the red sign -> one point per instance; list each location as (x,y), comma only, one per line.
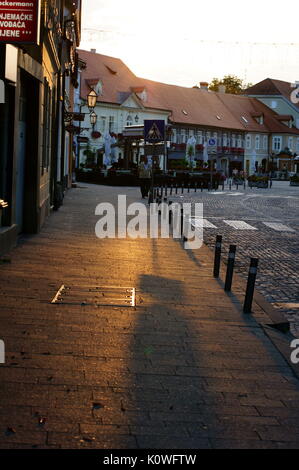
(19,21)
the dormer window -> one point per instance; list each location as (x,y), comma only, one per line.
(113,72)
(99,88)
(287,120)
(259,117)
(143,96)
(141,92)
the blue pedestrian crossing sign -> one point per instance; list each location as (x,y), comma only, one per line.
(154,131)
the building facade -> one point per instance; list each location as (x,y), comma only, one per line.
(34,154)
(233,132)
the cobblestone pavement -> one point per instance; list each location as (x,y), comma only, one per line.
(184,368)
(277,247)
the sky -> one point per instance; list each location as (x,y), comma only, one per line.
(185,42)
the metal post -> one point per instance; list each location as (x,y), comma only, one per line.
(230,268)
(182,188)
(150,196)
(218,246)
(176,188)
(195,187)
(169,212)
(189,188)
(166,189)
(250,285)
(201,186)
(182,222)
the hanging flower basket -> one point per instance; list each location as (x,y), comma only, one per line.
(96,135)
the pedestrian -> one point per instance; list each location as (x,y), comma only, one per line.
(145,174)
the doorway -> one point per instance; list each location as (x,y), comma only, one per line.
(27,155)
(21,157)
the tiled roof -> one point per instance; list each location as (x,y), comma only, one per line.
(248,107)
(189,106)
(271,87)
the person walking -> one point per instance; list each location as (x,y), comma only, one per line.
(145,173)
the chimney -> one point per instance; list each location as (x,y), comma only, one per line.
(94,51)
(204,86)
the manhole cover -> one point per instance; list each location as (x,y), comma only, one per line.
(97,296)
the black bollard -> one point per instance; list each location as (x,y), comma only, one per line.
(169,212)
(171,188)
(150,197)
(182,188)
(218,246)
(201,187)
(195,187)
(189,188)
(230,268)
(250,285)
(182,222)
(176,188)
(166,189)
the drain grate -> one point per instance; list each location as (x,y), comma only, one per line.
(96,296)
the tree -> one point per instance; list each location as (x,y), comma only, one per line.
(233,84)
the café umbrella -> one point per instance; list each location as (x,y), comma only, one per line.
(107,158)
(191,143)
(205,152)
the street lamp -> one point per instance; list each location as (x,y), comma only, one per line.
(92,99)
(93,118)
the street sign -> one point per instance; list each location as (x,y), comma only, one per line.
(158,149)
(212,142)
(19,21)
(154,131)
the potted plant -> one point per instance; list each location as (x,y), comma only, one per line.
(258,181)
(294,180)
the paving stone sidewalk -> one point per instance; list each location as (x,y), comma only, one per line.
(183,369)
